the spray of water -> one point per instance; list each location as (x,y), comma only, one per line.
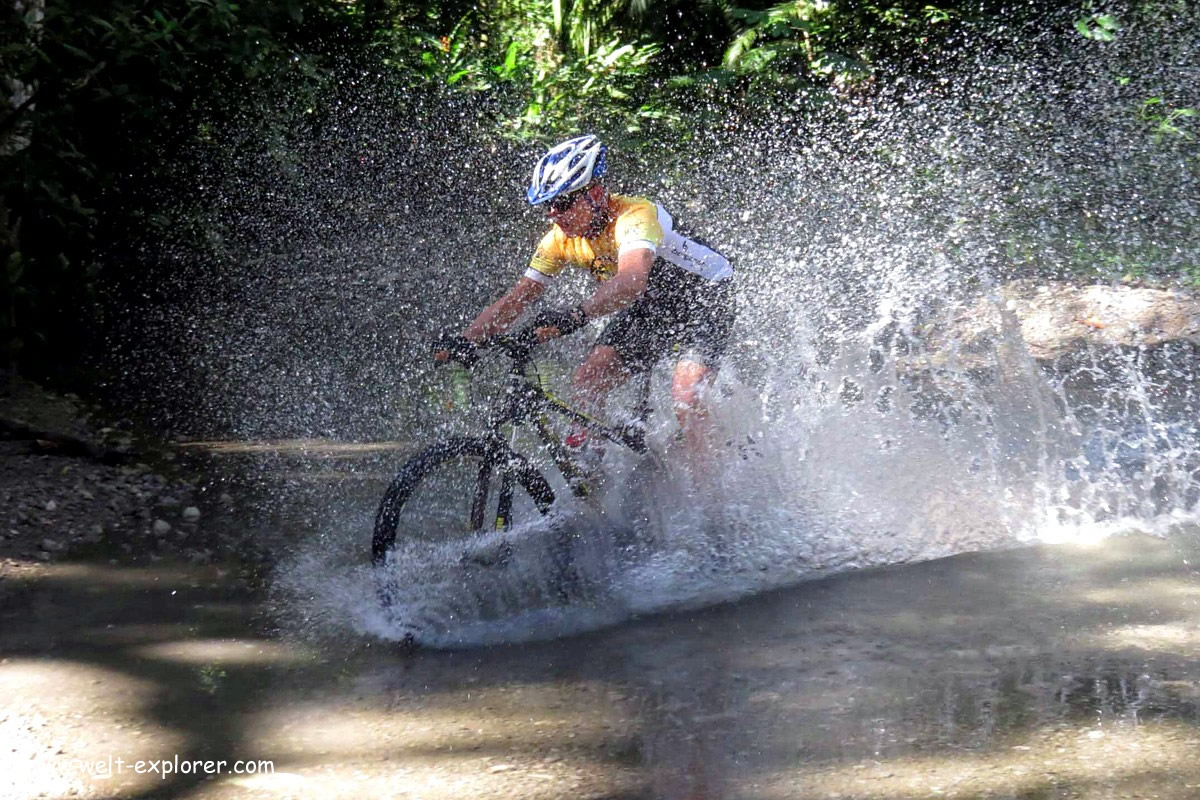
(858,423)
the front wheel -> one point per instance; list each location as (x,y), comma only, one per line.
(455,488)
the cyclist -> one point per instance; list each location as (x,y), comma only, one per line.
(662,288)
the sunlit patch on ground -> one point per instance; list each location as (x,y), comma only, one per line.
(1094,762)
(308,448)
(97,578)
(108,707)
(1182,638)
(227,652)
(511,740)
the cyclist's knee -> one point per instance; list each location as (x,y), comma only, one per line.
(601,370)
(687,385)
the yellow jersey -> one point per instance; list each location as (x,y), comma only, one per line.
(637,223)
(634,225)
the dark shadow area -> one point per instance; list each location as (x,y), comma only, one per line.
(980,665)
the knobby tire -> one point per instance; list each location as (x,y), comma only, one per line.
(492,452)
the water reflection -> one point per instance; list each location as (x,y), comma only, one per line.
(688,718)
(1003,675)
(818,692)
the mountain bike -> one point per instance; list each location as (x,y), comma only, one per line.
(484,482)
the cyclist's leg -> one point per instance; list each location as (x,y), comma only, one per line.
(600,373)
(629,344)
(703,343)
(686,387)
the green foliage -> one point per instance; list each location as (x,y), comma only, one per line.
(561,65)
(820,40)
(1190,276)
(551,93)
(1099,27)
(1166,121)
(567,95)
(107,108)
(555,67)
(105,102)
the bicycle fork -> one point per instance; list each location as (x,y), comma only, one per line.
(504,500)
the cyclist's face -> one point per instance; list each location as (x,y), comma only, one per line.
(572,213)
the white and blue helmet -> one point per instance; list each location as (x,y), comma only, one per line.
(569,166)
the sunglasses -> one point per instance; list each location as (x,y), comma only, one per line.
(560,204)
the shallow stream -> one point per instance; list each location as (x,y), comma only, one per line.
(1052,671)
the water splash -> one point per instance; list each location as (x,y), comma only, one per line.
(856,437)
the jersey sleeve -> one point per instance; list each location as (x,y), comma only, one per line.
(638,228)
(548,259)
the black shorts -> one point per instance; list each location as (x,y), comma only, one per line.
(680,311)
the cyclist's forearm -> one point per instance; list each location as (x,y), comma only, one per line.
(619,291)
(496,318)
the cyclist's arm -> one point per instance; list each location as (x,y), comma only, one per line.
(633,271)
(499,315)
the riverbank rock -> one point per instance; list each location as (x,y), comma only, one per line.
(1056,320)
(1059,319)
(1089,347)
(33,419)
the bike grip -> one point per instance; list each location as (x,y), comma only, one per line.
(461,349)
(566,321)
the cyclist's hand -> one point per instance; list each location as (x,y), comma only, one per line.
(457,348)
(558,322)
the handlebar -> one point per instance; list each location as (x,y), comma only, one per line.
(517,346)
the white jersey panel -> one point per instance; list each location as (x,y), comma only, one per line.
(689,255)
(537,277)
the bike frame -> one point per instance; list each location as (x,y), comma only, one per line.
(527,400)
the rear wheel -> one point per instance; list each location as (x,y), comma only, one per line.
(456,488)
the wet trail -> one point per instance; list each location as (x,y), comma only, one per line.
(1052,671)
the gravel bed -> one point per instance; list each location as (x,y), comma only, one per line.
(56,505)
